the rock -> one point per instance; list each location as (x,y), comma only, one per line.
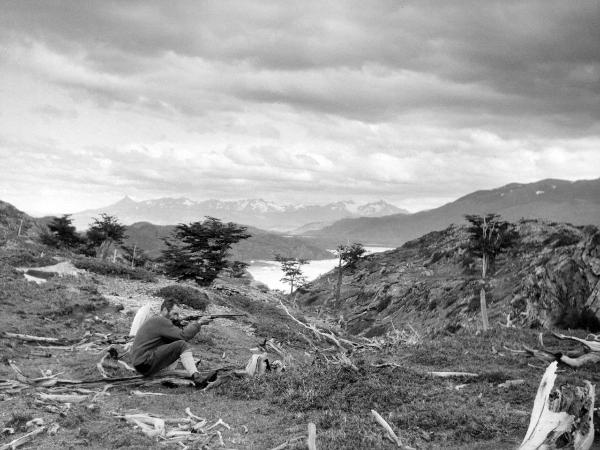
(551,278)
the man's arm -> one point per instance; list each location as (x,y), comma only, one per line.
(169,331)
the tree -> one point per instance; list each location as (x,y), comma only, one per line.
(292,270)
(62,233)
(107,228)
(349,255)
(488,237)
(198,251)
(102,233)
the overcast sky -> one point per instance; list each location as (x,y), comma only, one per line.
(415,102)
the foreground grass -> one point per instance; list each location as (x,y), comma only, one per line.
(265,411)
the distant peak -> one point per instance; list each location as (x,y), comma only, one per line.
(126,199)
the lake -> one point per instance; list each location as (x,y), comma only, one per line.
(269,272)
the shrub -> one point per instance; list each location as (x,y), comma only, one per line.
(103,267)
(184,295)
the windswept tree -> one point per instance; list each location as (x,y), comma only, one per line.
(198,251)
(292,271)
(489,236)
(106,228)
(62,233)
(348,255)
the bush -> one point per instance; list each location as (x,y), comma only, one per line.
(184,295)
(103,267)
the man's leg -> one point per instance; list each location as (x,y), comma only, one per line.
(188,362)
(165,355)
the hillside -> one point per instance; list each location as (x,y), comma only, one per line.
(262,245)
(331,387)
(15,222)
(557,200)
(551,278)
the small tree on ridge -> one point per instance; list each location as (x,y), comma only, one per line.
(348,255)
(488,237)
(292,270)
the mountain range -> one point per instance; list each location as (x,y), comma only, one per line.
(254,212)
(575,202)
(261,245)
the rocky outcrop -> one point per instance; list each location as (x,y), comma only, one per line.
(550,278)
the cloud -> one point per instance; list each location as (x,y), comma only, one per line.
(405,100)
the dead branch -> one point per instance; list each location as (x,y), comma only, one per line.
(100,368)
(390,433)
(288,442)
(30,338)
(587,358)
(22,440)
(63,398)
(329,336)
(311,441)
(511,383)
(593,346)
(145,394)
(102,392)
(547,356)
(452,374)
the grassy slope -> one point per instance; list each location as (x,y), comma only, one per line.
(427,412)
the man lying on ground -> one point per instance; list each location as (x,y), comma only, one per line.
(159,344)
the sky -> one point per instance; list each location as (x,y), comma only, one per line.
(415,102)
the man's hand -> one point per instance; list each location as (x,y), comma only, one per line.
(204,320)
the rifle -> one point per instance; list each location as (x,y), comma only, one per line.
(181,322)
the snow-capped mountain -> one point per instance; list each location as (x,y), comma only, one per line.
(255,212)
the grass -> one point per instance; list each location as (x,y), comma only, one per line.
(265,411)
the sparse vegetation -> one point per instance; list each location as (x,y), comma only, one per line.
(427,412)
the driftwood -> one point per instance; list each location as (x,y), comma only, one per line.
(22,440)
(189,429)
(390,433)
(452,374)
(566,416)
